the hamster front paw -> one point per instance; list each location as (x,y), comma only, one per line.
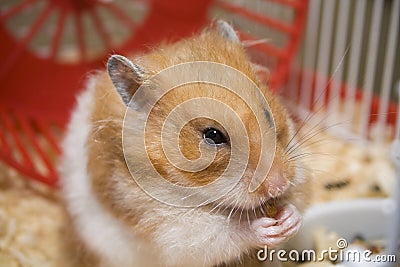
(273,231)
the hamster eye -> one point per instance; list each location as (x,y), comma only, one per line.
(213,136)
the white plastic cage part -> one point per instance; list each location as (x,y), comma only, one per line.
(351,43)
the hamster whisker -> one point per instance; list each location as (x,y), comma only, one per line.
(312,113)
(230,214)
(254,211)
(196,207)
(261,208)
(325,172)
(316,129)
(190,195)
(292,144)
(310,154)
(319,142)
(191,210)
(221,205)
(304,122)
(226,207)
(248,218)
(219,209)
(242,210)
(235,209)
(306,155)
(108,120)
(298,156)
(201,204)
(291,183)
(216,206)
(104,122)
(308,136)
(240,215)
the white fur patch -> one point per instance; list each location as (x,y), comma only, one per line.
(100,231)
(200,239)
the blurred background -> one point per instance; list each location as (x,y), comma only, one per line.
(334,63)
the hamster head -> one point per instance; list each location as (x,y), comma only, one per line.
(202,133)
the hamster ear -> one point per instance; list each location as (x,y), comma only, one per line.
(125,75)
(226,31)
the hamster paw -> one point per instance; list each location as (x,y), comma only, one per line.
(273,231)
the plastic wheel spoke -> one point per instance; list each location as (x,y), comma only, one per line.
(120,14)
(100,28)
(34,141)
(36,25)
(5,147)
(55,46)
(16,137)
(287,28)
(80,36)
(22,45)
(16,9)
(45,130)
(295,4)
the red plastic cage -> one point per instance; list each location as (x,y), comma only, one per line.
(47,49)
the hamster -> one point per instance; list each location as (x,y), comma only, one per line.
(114,222)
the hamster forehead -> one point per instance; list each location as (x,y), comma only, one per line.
(211,101)
(210,46)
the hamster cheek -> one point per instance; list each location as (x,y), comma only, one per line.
(273,231)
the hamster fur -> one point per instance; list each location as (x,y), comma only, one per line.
(112,222)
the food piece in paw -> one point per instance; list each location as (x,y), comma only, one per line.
(271,210)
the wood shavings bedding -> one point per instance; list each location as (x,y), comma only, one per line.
(30,222)
(349,170)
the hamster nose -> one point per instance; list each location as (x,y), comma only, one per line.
(277,184)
